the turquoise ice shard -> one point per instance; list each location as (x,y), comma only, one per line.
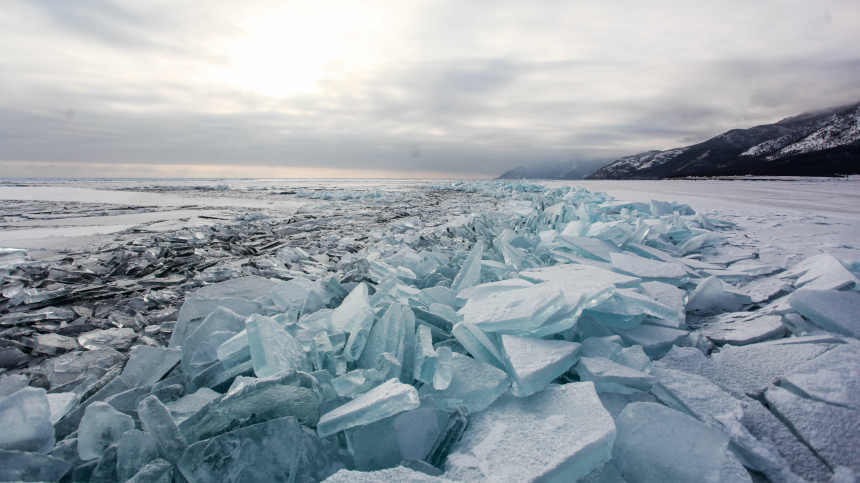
(609,376)
(649,270)
(100,427)
(147,365)
(289,393)
(485,289)
(634,357)
(322,354)
(24,466)
(189,404)
(592,248)
(156,471)
(534,363)
(62,403)
(651,307)
(220,320)
(667,294)
(387,335)
(355,308)
(481,345)
(583,278)
(25,417)
(348,384)
(385,400)
(205,301)
(296,292)
(470,272)
(425,356)
(831,309)
(606,347)
(516,311)
(559,434)
(273,349)
(160,425)
(709,295)
(444,369)
(359,332)
(742,328)
(655,341)
(474,385)
(656,444)
(276,450)
(135,449)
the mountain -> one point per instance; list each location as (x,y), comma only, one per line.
(554,170)
(819,143)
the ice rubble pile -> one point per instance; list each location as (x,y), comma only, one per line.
(560,337)
(367,196)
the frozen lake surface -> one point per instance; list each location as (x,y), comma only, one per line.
(689,330)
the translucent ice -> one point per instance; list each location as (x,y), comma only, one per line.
(23,466)
(147,365)
(387,335)
(221,319)
(450,435)
(100,427)
(474,385)
(655,341)
(272,349)
(470,272)
(425,356)
(160,425)
(444,369)
(534,363)
(742,328)
(821,272)
(481,345)
(359,332)
(135,449)
(710,296)
(381,402)
(559,434)
(657,444)
(831,309)
(157,471)
(25,419)
(516,311)
(589,247)
(61,404)
(354,309)
(115,338)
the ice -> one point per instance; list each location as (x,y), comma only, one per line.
(276,450)
(710,296)
(387,335)
(732,471)
(833,377)
(747,370)
(23,466)
(349,384)
(832,310)
(609,376)
(390,475)
(633,357)
(157,421)
(135,449)
(581,276)
(742,328)
(485,289)
(147,365)
(358,334)
(61,404)
(649,270)
(474,385)
(355,309)
(821,272)
(470,272)
(444,369)
(658,444)
(655,341)
(515,311)
(833,432)
(390,398)
(533,363)
(25,417)
(272,349)
(592,248)
(450,435)
(425,356)
(100,427)
(115,338)
(481,345)
(286,394)
(221,319)
(11,383)
(197,308)
(559,434)
(157,471)
(615,312)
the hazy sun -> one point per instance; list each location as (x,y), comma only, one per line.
(289,51)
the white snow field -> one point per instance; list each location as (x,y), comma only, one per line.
(403,330)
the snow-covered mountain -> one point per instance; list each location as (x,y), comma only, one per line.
(819,143)
(554,170)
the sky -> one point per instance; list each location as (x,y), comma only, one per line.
(413,88)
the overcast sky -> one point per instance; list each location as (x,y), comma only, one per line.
(437,88)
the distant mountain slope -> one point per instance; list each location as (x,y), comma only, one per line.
(820,143)
(554,170)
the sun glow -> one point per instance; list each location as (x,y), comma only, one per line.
(290,51)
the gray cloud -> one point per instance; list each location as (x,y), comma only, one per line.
(479,89)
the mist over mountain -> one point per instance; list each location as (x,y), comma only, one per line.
(817,143)
(554,170)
